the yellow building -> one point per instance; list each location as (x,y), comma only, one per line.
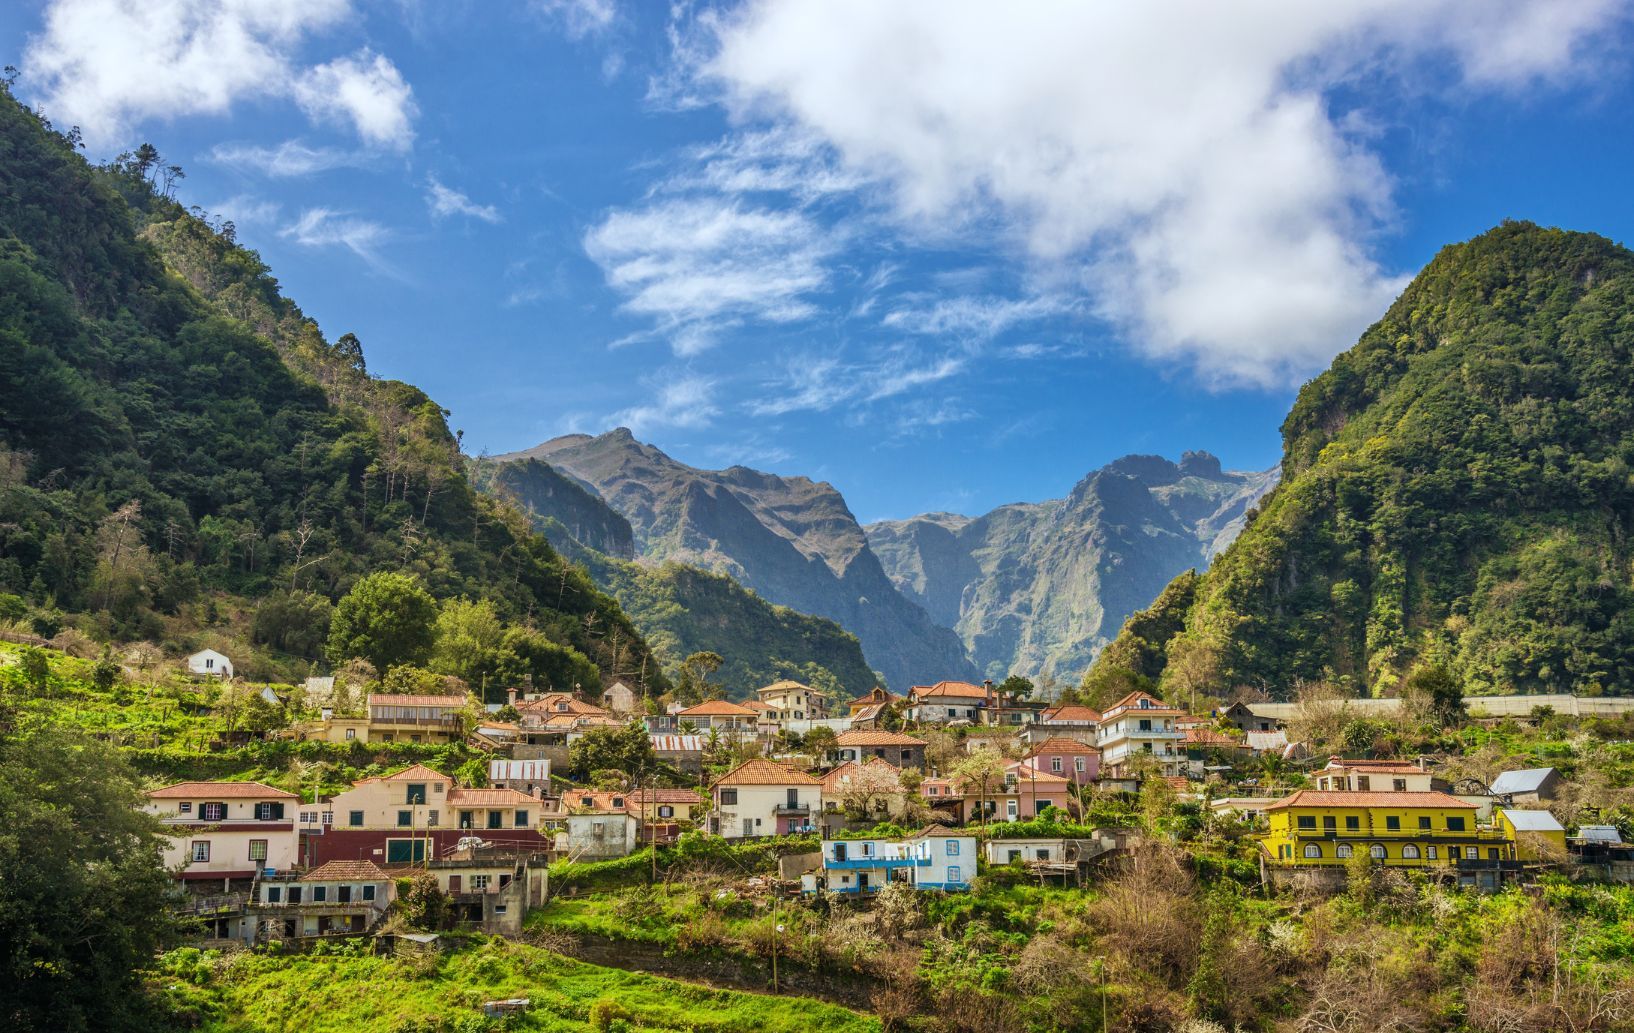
(1398,829)
(1538,835)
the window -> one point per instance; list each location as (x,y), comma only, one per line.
(496,819)
(201,850)
(1409,852)
(351,733)
(1055,764)
(1377,852)
(1353,823)
(1392,822)
(954,875)
(1424,824)
(618,803)
(1455,824)
(329,817)
(521,819)
(729,797)
(405,819)
(354,818)
(1429,852)
(1399,784)
(1343,850)
(1363,783)
(1307,821)
(1471,853)
(1145,724)
(666,811)
(212,812)
(1078,764)
(437,787)
(1330,823)
(416,793)
(368,891)
(258,850)
(1043,853)
(953,848)
(1313,850)
(309,817)
(431,818)
(275,894)
(295,894)
(269,812)
(467,819)
(320,894)
(185,807)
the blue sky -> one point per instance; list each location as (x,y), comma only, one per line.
(945,256)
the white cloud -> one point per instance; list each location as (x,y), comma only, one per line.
(694,264)
(288,159)
(579,18)
(975,316)
(324,227)
(445,201)
(685,401)
(247,210)
(107,65)
(822,383)
(366,91)
(1182,157)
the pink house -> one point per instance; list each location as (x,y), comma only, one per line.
(1077,762)
(1024,792)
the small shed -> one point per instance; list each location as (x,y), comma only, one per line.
(1528,785)
(207,663)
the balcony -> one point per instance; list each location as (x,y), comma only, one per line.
(884,861)
(786,810)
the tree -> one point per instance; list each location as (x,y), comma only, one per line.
(868,790)
(627,749)
(35,665)
(821,741)
(1434,695)
(83,905)
(1016,687)
(470,640)
(982,771)
(387,619)
(693,686)
(293,622)
(527,656)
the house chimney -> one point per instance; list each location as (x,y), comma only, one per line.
(510,695)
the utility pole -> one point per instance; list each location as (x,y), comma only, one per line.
(777,931)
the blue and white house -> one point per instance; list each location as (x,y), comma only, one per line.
(935,859)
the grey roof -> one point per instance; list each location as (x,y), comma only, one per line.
(1527,780)
(1599,833)
(1532,821)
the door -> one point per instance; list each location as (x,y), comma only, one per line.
(453,884)
(862,882)
(343,894)
(748,826)
(839,851)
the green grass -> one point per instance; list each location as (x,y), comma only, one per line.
(359,993)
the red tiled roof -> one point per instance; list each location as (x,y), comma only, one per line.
(1210,737)
(764,773)
(223,790)
(413,771)
(490,798)
(1340,798)
(550,702)
(346,871)
(666,796)
(952,688)
(864,737)
(1072,714)
(759,705)
(1027,774)
(784,686)
(716,708)
(1132,702)
(393,700)
(1060,744)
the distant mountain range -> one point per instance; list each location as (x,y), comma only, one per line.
(1041,586)
(1027,588)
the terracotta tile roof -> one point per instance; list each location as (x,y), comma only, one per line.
(390,699)
(1374,767)
(1026,773)
(490,798)
(864,737)
(411,772)
(951,688)
(666,796)
(784,686)
(1132,702)
(346,871)
(599,800)
(760,705)
(716,708)
(222,790)
(1339,798)
(764,773)
(554,701)
(1072,714)
(939,832)
(1060,744)
(1210,737)
(875,695)
(1178,783)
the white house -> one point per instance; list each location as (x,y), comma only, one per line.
(594,835)
(227,831)
(1140,724)
(207,663)
(763,798)
(948,701)
(1019,851)
(935,859)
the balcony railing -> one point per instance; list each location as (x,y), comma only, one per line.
(786,808)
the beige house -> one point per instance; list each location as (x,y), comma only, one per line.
(792,701)
(620,699)
(396,718)
(722,716)
(763,798)
(1372,776)
(226,830)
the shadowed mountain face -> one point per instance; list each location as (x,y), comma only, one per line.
(790,539)
(1040,587)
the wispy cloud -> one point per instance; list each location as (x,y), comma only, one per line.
(366,91)
(695,263)
(578,18)
(823,383)
(325,227)
(445,201)
(247,210)
(983,317)
(684,401)
(288,159)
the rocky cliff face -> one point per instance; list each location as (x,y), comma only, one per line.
(562,507)
(792,540)
(1040,587)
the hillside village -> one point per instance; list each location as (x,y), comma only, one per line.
(510,820)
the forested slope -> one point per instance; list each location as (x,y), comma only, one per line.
(175,434)
(1457,489)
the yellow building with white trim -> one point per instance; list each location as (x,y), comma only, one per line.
(1397,829)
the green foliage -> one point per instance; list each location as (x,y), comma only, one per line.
(82,900)
(387,619)
(627,749)
(1456,489)
(293,622)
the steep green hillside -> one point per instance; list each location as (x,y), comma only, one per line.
(1458,488)
(174,434)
